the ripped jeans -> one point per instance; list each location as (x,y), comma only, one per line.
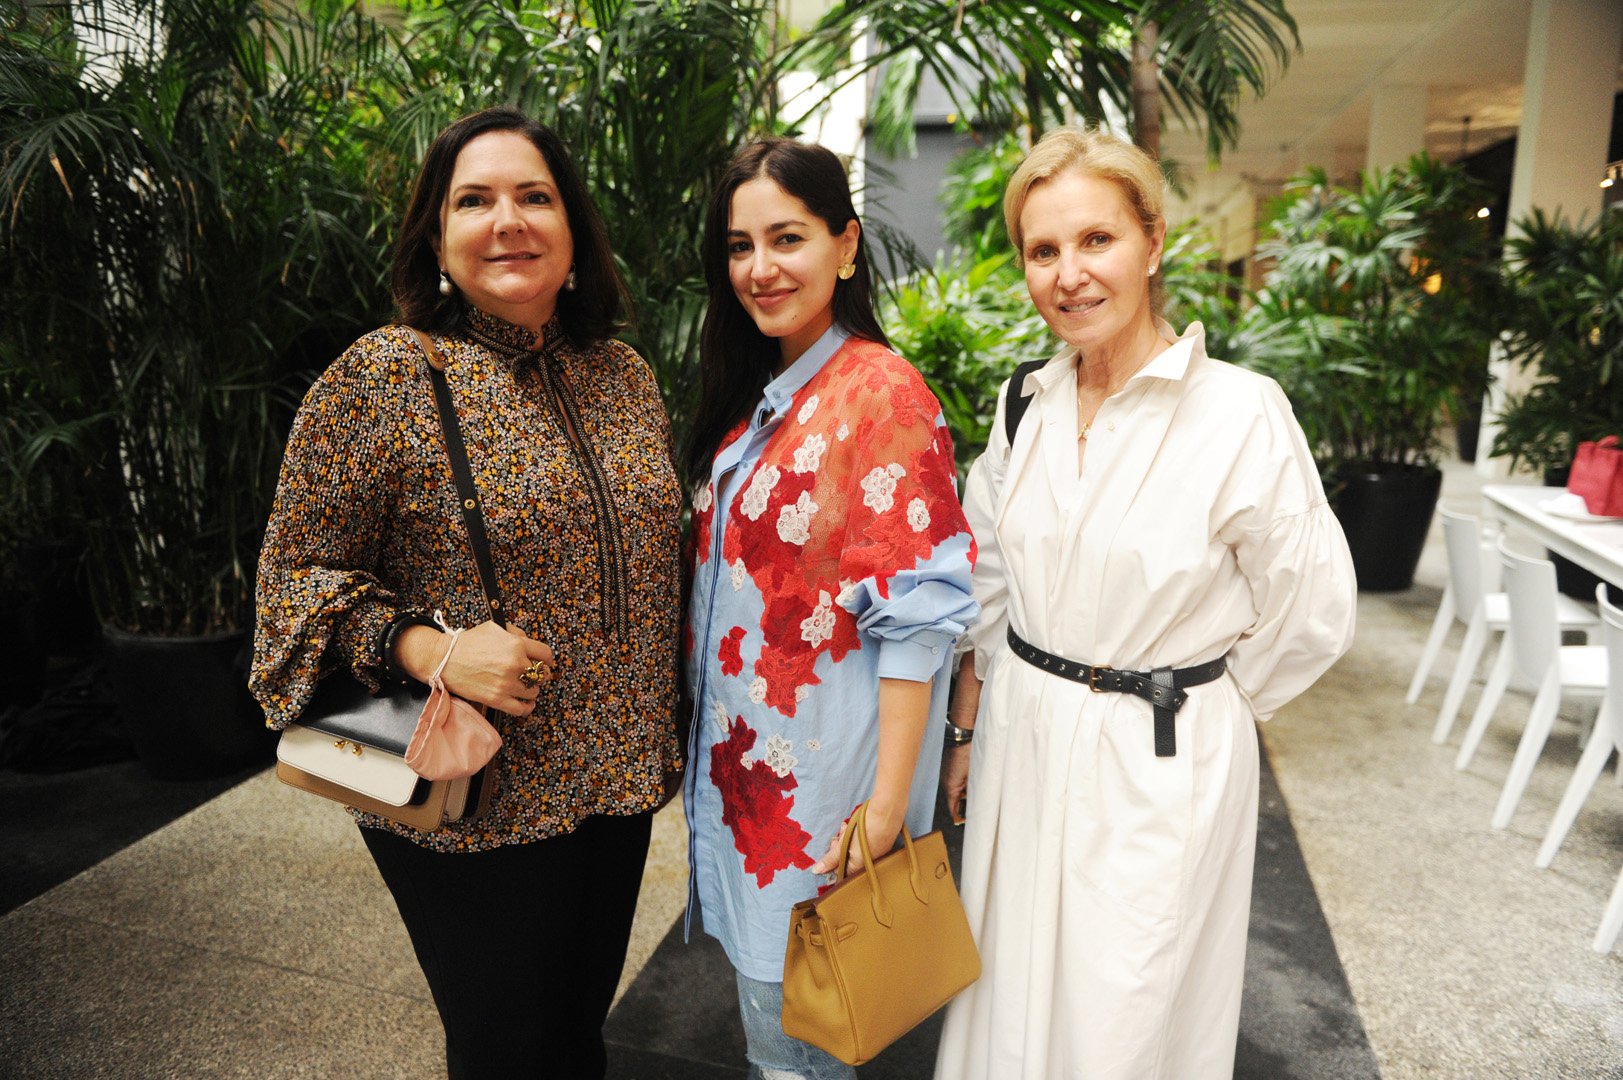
(772,1054)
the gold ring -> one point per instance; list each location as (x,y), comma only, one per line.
(536,674)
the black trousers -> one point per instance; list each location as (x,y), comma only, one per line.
(522,946)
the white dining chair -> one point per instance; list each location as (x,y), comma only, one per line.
(1612,921)
(1607,736)
(1559,671)
(1471,598)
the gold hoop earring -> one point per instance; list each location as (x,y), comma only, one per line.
(848,271)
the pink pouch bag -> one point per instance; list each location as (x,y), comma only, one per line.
(452,739)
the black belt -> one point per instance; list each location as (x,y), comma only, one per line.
(1162,687)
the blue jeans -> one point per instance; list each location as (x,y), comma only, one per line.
(772,1054)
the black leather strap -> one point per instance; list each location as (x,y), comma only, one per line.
(1017,401)
(1163,687)
(462,474)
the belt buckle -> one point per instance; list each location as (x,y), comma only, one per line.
(1097,672)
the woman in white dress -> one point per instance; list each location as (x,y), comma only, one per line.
(1156,513)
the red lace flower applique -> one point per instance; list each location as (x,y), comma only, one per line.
(755,805)
(731,661)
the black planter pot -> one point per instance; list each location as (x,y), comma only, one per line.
(1385,513)
(185,703)
(22,651)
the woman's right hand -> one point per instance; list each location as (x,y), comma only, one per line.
(485,667)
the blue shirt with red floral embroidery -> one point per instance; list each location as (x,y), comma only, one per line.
(830,552)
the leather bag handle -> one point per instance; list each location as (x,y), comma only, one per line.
(881,907)
(473,517)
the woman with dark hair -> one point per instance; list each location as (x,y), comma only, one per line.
(831,572)
(520,917)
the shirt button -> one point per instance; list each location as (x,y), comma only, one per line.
(1110,426)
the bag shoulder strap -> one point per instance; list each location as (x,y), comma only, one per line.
(467,494)
(1016,401)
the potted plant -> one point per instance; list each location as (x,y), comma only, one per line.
(1375,320)
(1565,323)
(183,210)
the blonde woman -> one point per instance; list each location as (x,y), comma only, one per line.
(1158,570)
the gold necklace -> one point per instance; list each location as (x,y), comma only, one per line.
(1082,435)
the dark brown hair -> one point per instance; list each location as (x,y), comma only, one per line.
(736,360)
(595,309)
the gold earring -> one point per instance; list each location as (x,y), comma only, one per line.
(848,271)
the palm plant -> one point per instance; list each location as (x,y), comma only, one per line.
(1384,290)
(180,215)
(1013,61)
(1566,323)
(966,325)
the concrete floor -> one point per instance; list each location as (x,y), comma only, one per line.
(252,938)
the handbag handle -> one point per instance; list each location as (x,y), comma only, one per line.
(859,827)
(462,475)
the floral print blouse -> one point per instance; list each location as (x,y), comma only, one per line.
(830,552)
(584,525)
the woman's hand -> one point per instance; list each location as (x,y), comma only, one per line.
(955,780)
(966,700)
(884,826)
(485,667)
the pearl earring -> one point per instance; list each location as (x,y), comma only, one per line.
(446,288)
(569,282)
(1154,268)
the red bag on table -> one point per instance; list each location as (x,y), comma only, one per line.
(1597,475)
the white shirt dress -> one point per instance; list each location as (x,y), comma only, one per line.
(1109,890)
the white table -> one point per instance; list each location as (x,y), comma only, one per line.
(1595,546)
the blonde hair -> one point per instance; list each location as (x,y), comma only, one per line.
(1093,151)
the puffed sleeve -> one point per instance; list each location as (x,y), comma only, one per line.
(981,493)
(319,603)
(1290,548)
(908,554)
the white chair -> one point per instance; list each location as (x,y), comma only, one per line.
(1534,639)
(1608,736)
(1569,615)
(1470,599)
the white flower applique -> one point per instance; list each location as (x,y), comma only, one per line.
(703,498)
(880,487)
(843,433)
(758,690)
(818,627)
(761,484)
(918,515)
(806,410)
(740,574)
(810,454)
(802,693)
(794,522)
(848,593)
(778,757)
(814,745)
(722,718)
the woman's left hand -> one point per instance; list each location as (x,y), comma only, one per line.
(884,826)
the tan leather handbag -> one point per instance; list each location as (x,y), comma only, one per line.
(875,955)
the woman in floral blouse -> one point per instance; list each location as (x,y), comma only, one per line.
(520,918)
(831,575)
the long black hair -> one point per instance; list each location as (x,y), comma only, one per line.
(595,309)
(736,360)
